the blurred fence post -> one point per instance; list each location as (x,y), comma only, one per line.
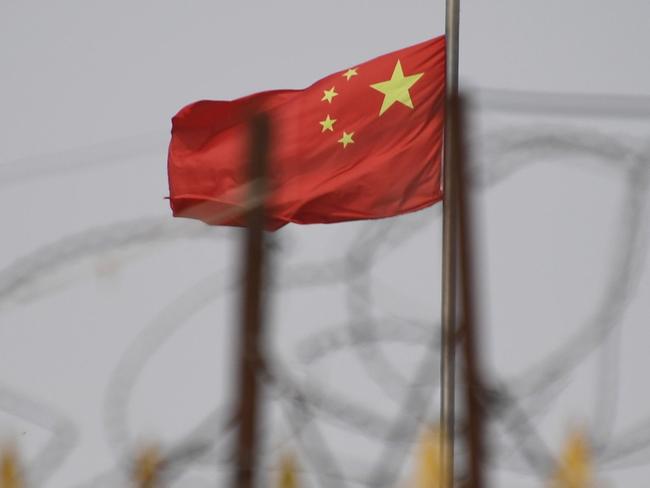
(474,390)
(251,324)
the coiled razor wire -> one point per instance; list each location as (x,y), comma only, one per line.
(515,403)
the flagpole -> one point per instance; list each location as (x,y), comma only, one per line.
(449,251)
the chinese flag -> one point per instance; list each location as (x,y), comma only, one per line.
(362,143)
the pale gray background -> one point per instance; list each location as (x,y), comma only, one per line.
(88,90)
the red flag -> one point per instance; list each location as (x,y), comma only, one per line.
(362,143)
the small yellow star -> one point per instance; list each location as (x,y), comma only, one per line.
(328,124)
(350,73)
(346,139)
(329,95)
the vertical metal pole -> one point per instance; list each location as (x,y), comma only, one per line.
(474,392)
(449,250)
(253,266)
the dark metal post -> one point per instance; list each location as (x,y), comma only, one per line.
(474,392)
(253,267)
(449,250)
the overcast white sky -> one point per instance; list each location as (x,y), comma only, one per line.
(88,90)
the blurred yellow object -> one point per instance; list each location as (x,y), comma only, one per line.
(429,469)
(288,477)
(575,468)
(9,470)
(147,468)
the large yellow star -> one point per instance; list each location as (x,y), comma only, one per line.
(329,95)
(346,139)
(397,88)
(328,124)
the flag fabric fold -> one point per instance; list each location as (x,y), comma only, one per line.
(362,143)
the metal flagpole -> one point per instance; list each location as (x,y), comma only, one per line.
(449,252)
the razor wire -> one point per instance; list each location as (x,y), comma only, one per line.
(515,403)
